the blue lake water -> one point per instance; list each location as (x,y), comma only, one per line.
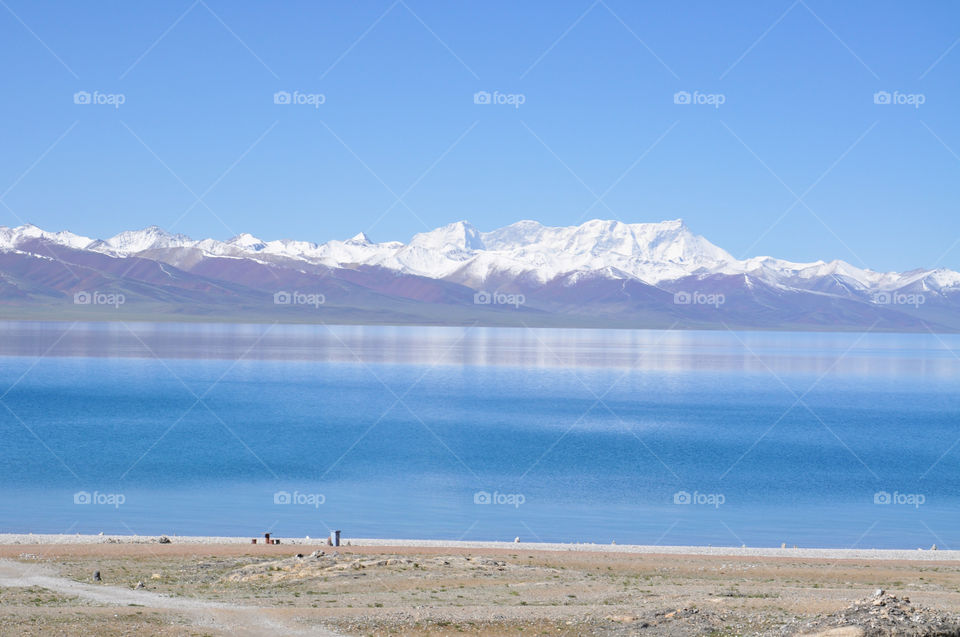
(645,437)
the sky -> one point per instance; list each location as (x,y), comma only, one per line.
(800,129)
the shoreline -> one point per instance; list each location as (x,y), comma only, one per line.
(923,555)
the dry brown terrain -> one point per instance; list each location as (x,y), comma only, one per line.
(268,590)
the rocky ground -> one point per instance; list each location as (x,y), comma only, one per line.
(883,614)
(178,589)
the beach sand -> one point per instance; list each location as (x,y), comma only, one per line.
(223,586)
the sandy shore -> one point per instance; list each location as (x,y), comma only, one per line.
(464,546)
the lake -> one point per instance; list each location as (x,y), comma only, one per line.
(633,436)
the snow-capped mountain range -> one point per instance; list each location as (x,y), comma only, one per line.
(620,266)
(649,252)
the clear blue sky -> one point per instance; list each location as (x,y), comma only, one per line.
(598,82)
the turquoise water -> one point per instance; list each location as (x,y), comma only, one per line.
(400,432)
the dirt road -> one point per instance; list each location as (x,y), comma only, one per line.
(246,621)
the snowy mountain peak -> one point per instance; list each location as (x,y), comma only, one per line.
(651,252)
(360,238)
(247,241)
(519,233)
(133,241)
(9,237)
(459,236)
